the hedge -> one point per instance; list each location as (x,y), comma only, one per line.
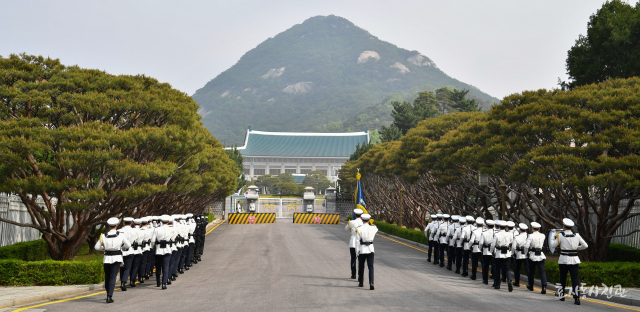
(211,217)
(50,272)
(27,251)
(591,273)
(623,253)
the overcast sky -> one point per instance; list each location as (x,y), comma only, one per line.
(501,47)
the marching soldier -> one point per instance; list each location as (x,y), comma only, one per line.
(433,238)
(476,248)
(442,237)
(428,233)
(192,242)
(501,247)
(457,237)
(174,248)
(451,251)
(162,242)
(112,244)
(136,247)
(352,225)
(146,234)
(365,235)
(519,242)
(486,238)
(533,248)
(127,253)
(511,229)
(465,235)
(569,243)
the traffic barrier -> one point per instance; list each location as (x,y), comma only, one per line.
(252,218)
(316,218)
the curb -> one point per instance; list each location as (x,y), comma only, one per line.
(537,282)
(52,295)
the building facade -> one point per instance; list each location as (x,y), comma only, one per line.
(298,153)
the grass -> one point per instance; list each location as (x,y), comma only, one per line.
(83,254)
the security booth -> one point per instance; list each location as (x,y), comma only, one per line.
(309,200)
(252,199)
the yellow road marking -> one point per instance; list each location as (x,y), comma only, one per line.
(89,295)
(552,294)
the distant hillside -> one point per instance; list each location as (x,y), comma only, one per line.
(314,76)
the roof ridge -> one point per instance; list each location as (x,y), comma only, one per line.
(308,133)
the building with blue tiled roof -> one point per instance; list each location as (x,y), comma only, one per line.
(298,152)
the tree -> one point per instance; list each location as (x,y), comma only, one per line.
(317,180)
(461,104)
(391,133)
(611,48)
(236,156)
(94,146)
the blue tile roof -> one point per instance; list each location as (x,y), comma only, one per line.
(296,144)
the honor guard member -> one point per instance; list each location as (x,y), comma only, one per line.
(457,236)
(501,247)
(451,250)
(569,243)
(476,248)
(519,242)
(365,235)
(428,231)
(252,206)
(353,240)
(146,234)
(127,254)
(136,250)
(112,244)
(162,242)
(465,236)
(434,238)
(174,248)
(443,241)
(185,243)
(486,238)
(191,226)
(533,248)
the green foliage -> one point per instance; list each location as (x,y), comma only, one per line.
(410,234)
(26,251)
(323,51)
(317,180)
(282,184)
(622,253)
(211,217)
(236,156)
(49,272)
(611,47)
(360,150)
(390,134)
(597,273)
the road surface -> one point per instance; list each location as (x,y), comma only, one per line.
(304,267)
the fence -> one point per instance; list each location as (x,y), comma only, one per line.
(11,208)
(628,226)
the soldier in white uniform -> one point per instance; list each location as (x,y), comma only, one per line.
(533,248)
(457,236)
(474,244)
(137,250)
(501,247)
(451,251)
(309,208)
(145,233)
(569,243)
(252,207)
(127,254)
(173,264)
(162,242)
(353,240)
(518,246)
(112,244)
(441,236)
(429,232)
(465,236)
(365,235)
(486,238)
(192,242)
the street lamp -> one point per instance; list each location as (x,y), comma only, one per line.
(503,189)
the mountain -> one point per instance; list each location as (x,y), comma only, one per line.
(313,77)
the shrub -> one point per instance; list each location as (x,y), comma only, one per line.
(412,235)
(598,273)
(27,251)
(211,217)
(623,253)
(50,272)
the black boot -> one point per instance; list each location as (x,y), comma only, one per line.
(123,286)
(576,301)
(186,267)
(132,284)
(510,286)
(168,282)
(473,278)
(530,288)
(544,289)
(504,279)
(428,260)
(109,299)
(371,287)
(353,277)
(516,284)
(141,280)
(158,284)
(164,286)
(485,282)
(360,284)
(465,274)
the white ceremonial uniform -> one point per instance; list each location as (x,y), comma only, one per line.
(534,245)
(192,229)
(451,233)
(174,233)
(428,233)
(457,236)
(486,238)
(351,227)
(139,240)
(567,243)
(161,237)
(518,245)
(131,236)
(365,234)
(476,235)
(465,237)
(441,234)
(501,245)
(116,243)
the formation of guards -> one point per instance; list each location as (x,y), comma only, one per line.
(361,246)
(166,246)
(500,245)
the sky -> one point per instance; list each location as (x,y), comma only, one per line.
(501,47)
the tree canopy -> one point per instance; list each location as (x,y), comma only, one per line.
(94,146)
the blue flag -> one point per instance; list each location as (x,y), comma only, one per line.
(360,203)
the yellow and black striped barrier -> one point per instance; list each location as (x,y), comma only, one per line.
(316,218)
(252,218)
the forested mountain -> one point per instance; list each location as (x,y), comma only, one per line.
(320,75)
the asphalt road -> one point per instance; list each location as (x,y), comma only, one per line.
(302,267)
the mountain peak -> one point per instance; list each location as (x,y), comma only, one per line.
(321,71)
